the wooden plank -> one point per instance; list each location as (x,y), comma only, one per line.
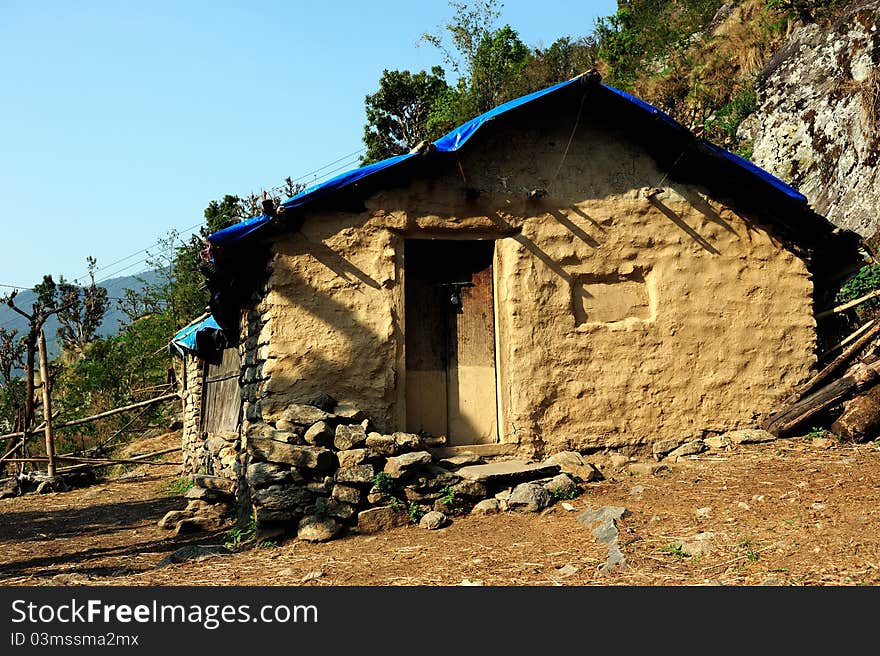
(471,372)
(222,397)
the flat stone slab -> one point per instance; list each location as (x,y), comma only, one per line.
(508,471)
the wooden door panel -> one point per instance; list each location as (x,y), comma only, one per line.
(450,348)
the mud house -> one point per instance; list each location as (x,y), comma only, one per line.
(573,270)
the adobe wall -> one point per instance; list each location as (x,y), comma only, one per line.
(622,320)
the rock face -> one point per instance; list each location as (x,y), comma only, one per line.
(819,124)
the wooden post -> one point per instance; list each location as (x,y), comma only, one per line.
(47,404)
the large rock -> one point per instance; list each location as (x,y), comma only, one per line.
(353,457)
(347,494)
(357,475)
(433,520)
(487,507)
(349,436)
(687,449)
(572,462)
(214,483)
(320,434)
(408,441)
(197,525)
(281,497)
(508,471)
(309,457)
(381,518)
(304,415)
(349,414)
(266,473)
(383,444)
(529,497)
(208,495)
(469,489)
(749,436)
(815,129)
(398,466)
(318,529)
(562,486)
(860,420)
(170,519)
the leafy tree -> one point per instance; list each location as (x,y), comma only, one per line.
(397,114)
(81,310)
(11,352)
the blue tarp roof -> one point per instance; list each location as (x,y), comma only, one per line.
(455,139)
(185,340)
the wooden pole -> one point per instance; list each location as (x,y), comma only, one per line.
(85,420)
(138,460)
(848,306)
(47,404)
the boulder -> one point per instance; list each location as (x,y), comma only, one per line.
(310,457)
(433,520)
(266,473)
(687,449)
(169,521)
(507,471)
(562,486)
(383,444)
(347,494)
(380,518)
(343,511)
(349,414)
(281,497)
(349,436)
(318,529)
(196,525)
(304,415)
(469,489)
(573,463)
(214,483)
(408,441)
(357,475)
(353,457)
(209,495)
(487,507)
(398,466)
(529,497)
(661,447)
(319,434)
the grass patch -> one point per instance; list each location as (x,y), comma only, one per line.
(175,487)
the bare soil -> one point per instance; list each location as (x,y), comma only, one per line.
(791,512)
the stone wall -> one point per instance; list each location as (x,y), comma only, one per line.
(195,454)
(622,320)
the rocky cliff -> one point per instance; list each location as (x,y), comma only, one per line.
(818,116)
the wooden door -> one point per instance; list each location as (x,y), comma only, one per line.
(221,402)
(450,340)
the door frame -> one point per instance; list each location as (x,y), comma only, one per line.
(500,432)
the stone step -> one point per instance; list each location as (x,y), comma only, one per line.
(508,471)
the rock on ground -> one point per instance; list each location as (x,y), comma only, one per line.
(317,529)
(529,497)
(433,520)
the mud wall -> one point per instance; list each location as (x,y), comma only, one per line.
(622,319)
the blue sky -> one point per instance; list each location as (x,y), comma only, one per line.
(122,120)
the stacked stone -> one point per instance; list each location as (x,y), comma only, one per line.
(195,455)
(222,451)
(210,504)
(319,470)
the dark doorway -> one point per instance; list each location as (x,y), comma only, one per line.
(450,340)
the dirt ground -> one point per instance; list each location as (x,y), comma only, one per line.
(791,512)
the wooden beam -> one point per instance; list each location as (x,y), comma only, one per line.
(109,413)
(47,403)
(849,305)
(137,460)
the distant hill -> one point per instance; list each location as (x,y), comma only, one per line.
(110,326)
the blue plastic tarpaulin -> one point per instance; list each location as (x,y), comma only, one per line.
(185,340)
(455,139)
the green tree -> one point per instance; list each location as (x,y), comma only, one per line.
(398,113)
(82,311)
